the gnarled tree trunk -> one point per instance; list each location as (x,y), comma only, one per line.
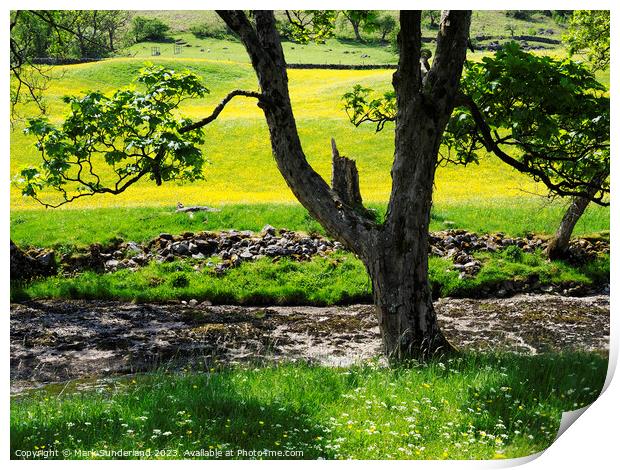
(395,253)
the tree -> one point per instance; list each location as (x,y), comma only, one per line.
(112,23)
(433,17)
(553,113)
(361,19)
(304,26)
(544,117)
(386,24)
(148,29)
(394,252)
(588,31)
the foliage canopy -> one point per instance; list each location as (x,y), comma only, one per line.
(134,132)
(554,113)
(588,31)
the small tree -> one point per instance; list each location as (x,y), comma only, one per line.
(361,19)
(149,29)
(511,28)
(386,24)
(114,23)
(546,118)
(433,18)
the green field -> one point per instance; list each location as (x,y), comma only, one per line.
(241,167)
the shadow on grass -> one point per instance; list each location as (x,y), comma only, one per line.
(198,413)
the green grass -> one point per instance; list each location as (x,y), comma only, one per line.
(334,51)
(339,278)
(81,227)
(477,406)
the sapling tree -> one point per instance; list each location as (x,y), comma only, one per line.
(361,20)
(544,117)
(108,143)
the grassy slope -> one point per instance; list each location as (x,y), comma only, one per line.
(473,407)
(487,22)
(241,167)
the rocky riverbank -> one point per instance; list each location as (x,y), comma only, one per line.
(54,341)
(228,249)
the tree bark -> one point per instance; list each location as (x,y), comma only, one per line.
(395,253)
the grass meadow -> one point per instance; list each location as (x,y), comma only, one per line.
(241,171)
(336,279)
(476,406)
(241,168)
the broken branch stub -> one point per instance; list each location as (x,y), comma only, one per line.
(345,180)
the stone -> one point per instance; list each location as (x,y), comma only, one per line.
(133,247)
(181,248)
(112,264)
(46,259)
(268,230)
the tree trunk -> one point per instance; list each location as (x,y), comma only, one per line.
(402,295)
(395,253)
(558,245)
(356,30)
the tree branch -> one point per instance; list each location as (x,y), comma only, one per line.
(491,145)
(220,107)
